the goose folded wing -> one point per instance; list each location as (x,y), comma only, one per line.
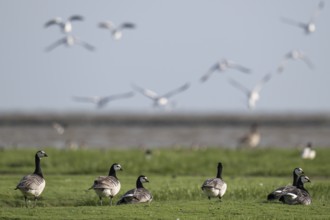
(32,181)
(141,195)
(105,182)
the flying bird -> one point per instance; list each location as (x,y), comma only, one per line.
(253,95)
(222,66)
(102,101)
(160,100)
(116,31)
(295,55)
(310,26)
(69,41)
(65,25)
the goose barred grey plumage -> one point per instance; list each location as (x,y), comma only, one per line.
(215,187)
(108,186)
(33,185)
(277,193)
(297,195)
(137,195)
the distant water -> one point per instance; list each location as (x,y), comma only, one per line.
(161,131)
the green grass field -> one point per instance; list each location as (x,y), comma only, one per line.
(175,178)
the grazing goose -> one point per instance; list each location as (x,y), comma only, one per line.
(33,184)
(101,101)
(297,195)
(69,41)
(116,32)
(251,139)
(277,193)
(308,152)
(65,25)
(253,95)
(215,187)
(107,186)
(294,55)
(137,195)
(160,100)
(308,27)
(222,66)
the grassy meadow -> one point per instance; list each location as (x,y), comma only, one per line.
(175,178)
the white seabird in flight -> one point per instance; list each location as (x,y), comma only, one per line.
(116,31)
(69,41)
(295,55)
(160,100)
(102,101)
(310,26)
(65,25)
(253,95)
(222,66)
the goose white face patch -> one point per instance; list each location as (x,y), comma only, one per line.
(298,171)
(117,167)
(305,179)
(41,154)
(144,179)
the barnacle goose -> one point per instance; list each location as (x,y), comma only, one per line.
(32,185)
(297,195)
(137,195)
(277,193)
(215,187)
(107,186)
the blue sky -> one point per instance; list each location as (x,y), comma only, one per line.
(175,42)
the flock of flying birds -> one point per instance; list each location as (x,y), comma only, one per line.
(163,101)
